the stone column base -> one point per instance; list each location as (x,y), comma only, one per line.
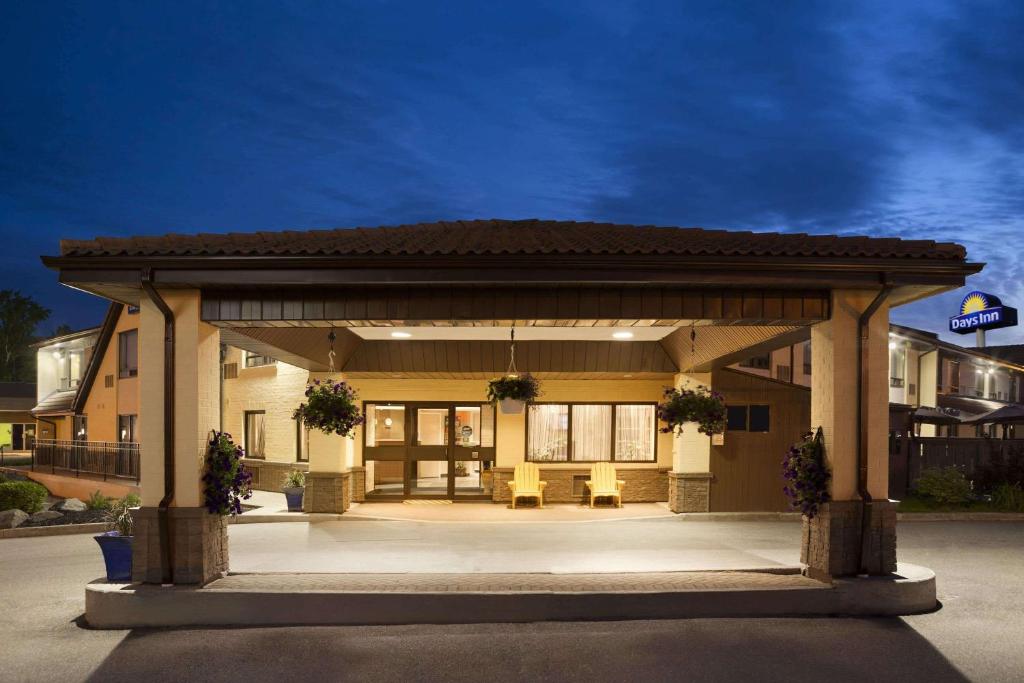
(689,491)
(358,482)
(327,492)
(831,541)
(199,546)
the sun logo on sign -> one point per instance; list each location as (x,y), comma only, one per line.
(975,301)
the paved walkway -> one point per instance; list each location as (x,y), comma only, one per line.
(643,582)
(668,544)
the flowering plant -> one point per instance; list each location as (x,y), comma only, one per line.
(700,405)
(807,475)
(226,483)
(515,387)
(332,408)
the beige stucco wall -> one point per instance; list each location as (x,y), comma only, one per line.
(834,391)
(104,404)
(276,389)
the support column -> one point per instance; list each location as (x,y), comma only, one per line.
(832,541)
(198,539)
(689,482)
(328,482)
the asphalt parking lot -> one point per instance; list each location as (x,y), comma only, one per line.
(974,636)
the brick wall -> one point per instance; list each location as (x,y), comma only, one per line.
(832,539)
(327,492)
(642,485)
(199,541)
(689,492)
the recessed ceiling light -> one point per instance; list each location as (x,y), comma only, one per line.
(627,376)
(622,335)
(400,335)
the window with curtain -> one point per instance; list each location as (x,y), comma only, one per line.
(548,435)
(255,433)
(591,433)
(634,433)
(595,432)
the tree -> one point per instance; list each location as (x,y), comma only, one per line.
(19,317)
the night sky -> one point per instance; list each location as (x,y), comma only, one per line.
(858,118)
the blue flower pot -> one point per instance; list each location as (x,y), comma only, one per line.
(294,498)
(117,554)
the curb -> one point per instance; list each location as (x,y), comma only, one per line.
(960,517)
(55,530)
(110,606)
(279,518)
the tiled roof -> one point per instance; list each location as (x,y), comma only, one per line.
(516,237)
(17,395)
(57,402)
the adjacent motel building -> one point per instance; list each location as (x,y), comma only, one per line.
(231,328)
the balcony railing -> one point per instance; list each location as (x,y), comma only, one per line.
(108,459)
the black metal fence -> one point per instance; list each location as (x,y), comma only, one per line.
(909,456)
(108,459)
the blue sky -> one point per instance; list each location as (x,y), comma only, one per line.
(875,118)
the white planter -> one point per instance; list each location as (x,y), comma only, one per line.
(511,406)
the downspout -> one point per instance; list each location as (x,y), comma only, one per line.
(163,523)
(862,456)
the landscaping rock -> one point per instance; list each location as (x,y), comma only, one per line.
(44,515)
(10,519)
(70,505)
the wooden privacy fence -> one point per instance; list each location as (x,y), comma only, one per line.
(107,459)
(909,456)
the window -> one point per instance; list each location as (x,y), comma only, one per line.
(80,427)
(634,433)
(736,418)
(753,418)
(385,425)
(783,373)
(758,362)
(547,434)
(301,442)
(255,433)
(807,358)
(70,366)
(126,428)
(759,419)
(954,377)
(254,360)
(897,365)
(128,354)
(592,432)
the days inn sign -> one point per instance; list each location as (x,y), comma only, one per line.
(981,311)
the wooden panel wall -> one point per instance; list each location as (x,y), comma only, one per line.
(526,305)
(748,468)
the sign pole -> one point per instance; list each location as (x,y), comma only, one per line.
(979,338)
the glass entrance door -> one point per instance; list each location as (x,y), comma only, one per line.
(429,450)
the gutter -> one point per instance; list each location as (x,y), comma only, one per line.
(163,523)
(862,456)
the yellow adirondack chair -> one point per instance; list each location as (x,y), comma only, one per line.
(526,483)
(603,482)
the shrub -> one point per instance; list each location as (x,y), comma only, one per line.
(1000,469)
(132,500)
(332,408)
(26,496)
(120,517)
(97,501)
(514,387)
(1009,498)
(295,479)
(700,405)
(226,483)
(807,475)
(944,485)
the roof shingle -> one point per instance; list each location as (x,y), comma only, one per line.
(514,237)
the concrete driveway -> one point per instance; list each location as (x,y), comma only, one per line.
(975,636)
(640,545)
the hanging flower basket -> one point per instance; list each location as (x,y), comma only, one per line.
(807,475)
(332,408)
(226,483)
(701,405)
(513,392)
